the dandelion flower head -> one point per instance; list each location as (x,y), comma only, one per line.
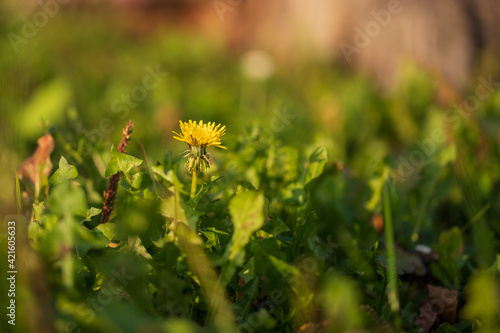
(199,136)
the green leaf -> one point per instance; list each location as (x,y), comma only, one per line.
(139,184)
(213,236)
(316,163)
(482,304)
(67,199)
(245,186)
(447,328)
(247,215)
(285,280)
(159,170)
(248,271)
(89,239)
(450,244)
(89,213)
(119,162)
(305,231)
(446,270)
(250,292)
(275,226)
(64,173)
(48,103)
(109,230)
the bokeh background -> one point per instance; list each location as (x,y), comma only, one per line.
(370,81)
(363,78)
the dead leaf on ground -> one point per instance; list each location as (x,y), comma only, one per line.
(440,306)
(38,166)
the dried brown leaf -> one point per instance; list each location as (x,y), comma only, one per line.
(38,166)
(427,317)
(440,306)
(444,302)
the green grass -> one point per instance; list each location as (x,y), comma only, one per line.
(279,234)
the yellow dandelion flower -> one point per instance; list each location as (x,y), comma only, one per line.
(200,135)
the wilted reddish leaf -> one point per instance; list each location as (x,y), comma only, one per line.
(440,306)
(38,166)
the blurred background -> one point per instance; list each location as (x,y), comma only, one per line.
(409,84)
(361,77)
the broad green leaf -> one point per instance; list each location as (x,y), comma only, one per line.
(135,245)
(245,186)
(247,273)
(159,171)
(446,270)
(48,104)
(64,173)
(305,231)
(140,180)
(89,239)
(249,292)
(109,230)
(283,281)
(139,184)
(89,213)
(264,243)
(275,226)
(66,199)
(316,163)
(483,293)
(119,162)
(247,214)
(451,243)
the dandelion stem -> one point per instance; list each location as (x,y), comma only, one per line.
(193,183)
